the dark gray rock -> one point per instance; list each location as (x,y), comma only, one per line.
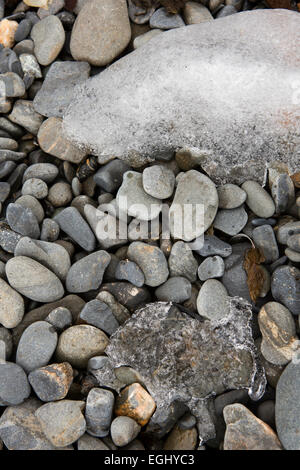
(11,155)
(9,62)
(99,411)
(23,114)
(175,289)
(58,87)
(174,372)
(22,220)
(32,203)
(87,273)
(14,386)
(12,84)
(264,238)
(36,346)
(214,246)
(285,287)
(231,221)
(49,231)
(293,242)
(8,238)
(287,411)
(4,191)
(182,261)
(163,20)
(110,176)
(235,277)
(6,342)
(283,193)
(127,295)
(129,271)
(23,30)
(60,318)
(72,223)
(6,168)
(287,230)
(99,314)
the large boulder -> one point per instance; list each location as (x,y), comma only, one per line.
(228,88)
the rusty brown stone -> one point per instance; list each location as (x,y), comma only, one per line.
(7,32)
(52,383)
(245,431)
(134,401)
(296,176)
(287,4)
(181,439)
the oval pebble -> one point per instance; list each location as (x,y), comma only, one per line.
(258,199)
(213,300)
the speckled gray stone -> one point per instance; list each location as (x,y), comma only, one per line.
(73,224)
(158,181)
(22,220)
(211,267)
(32,203)
(99,411)
(231,196)
(213,245)
(231,221)
(182,261)
(152,262)
(283,193)
(36,346)
(123,430)
(48,36)
(264,238)
(44,171)
(293,242)
(14,386)
(287,230)
(213,300)
(235,277)
(285,287)
(87,273)
(175,289)
(35,187)
(49,231)
(129,271)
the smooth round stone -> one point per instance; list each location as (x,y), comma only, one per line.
(129,271)
(33,280)
(23,30)
(24,47)
(213,300)
(48,36)
(287,230)
(293,242)
(139,204)
(50,230)
(22,220)
(60,318)
(231,196)
(194,192)
(231,221)
(4,191)
(163,20)
(87,273)
(6,168)
(60,194)
(258,200)
(51,383)
(6,342)
(235,277)
(211,267)
(195,13)
(14,386)
(158,181)
(99,314)
(123,430)
(73,224)
(152,262)
(11,306)
(287,411)
(278,329)
(175,289)
(292,255)
(283,193)
(36,346)
(35,187)
(110,176)
(46,172)
(34,205)
(12,84)
(99,411)
(285,287)
(50,255)
(182,262)
(264,238)
(62,422)
(142,39)
(101,32)
(80,343)
(212,245)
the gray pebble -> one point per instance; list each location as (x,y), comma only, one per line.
(4,191)
(163,20)
(87,273)
(213,300)
(14,386)
(6,168)
(231,196)
(212,245)
(264,238)
(175,289)
(283,192)
(182,261)
(34,205)
(36,346)
(8,238)
(129,271)
(188,421)
(6,342)
(235,277)
(227,10)
(33,280)
(9,144)
(99,411)
(22,220)
(46,172)
(87,442)
(287,230)
(24,114)
(10,155)
(11,306)
(285,287)
(293,242)
(152,262)
(231,221)
(258,200)
(158,181)
(211,267)
(23,30)
(24,47)
(13,85)
(60,318)
(123,430)
(60,194)
(99,314)
(50,230)
(72,223)
(35,187)
(48,36)
(292,255)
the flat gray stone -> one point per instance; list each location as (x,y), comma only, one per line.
(287,230)
(99,314)
(58,87)
(213,300)
(123,430)
(182,261)
(22,220)
(213,245)
(152,262)
(36,346)
(158,181)
(48,36)
(33,204)
(73,224)
(87,273)
(211,267)
(110,176)
(163,20)
(235,277)
(231,196)
(99,411)
(12,84)
(11,306)
(44,171)
(258,199)
(14,386)
(87,442)
(35,187)
(60,318)
(283,193)
(236,139)
(33,280)
(176,289)
(129,271)
(264,238)
(231,221)
(24,114)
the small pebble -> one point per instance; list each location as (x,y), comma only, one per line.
(158,181)
(258,199)
(123,430)
(60,318)
(51,383)
(264,239)
(22,220)
(99,411)
(99,314)
(129,271)
(175,289)
(211,267)
(213,300)
(14,386)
